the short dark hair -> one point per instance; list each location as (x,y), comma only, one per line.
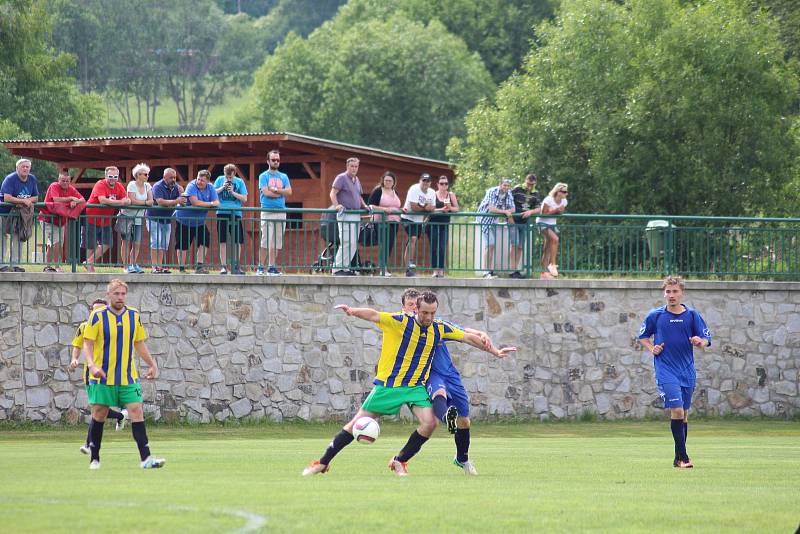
(428,297)
(409,293)
(104,302)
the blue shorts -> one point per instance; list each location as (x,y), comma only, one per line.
(518,231)
(675,395)
(454,389)
(159,233)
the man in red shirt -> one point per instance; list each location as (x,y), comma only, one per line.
(53,224)
(98,231)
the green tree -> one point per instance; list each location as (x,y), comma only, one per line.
(298,16)
(396,84)
(648,107)
(37,95)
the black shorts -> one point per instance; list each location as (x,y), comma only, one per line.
(413,229)
(186,234)
(229,224)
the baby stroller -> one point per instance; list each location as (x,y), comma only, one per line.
(329,232)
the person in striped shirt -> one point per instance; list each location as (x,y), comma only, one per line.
(109,339)
(409,342)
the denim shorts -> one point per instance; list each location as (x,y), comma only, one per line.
(517,233)
(159,234)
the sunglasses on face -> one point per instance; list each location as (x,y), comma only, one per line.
(444,183)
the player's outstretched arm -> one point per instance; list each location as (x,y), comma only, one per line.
(478,343)
(487,342)
(144,353)
(367,314)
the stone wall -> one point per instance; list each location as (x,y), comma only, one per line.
(274,348)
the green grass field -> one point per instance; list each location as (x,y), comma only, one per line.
(558,477)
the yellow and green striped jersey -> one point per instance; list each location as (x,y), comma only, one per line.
(114,337)
(408,349)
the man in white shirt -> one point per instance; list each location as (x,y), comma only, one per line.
(420,201)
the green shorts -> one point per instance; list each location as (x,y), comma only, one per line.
(388,401)
(104,395)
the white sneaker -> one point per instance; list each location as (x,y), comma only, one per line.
(467,466)
(153,463)
(85,449)
(95,464)
(121,422)
(553,269)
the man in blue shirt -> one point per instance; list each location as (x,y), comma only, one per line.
(167,194)
(676,329)
(19,190)
(192,222)
(274,187)
(232,193)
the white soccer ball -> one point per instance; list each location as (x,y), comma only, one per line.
(366,430)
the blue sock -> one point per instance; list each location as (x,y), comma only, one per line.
(440,407)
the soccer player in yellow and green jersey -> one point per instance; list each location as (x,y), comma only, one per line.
(408,346)
(77,346)
(109,340)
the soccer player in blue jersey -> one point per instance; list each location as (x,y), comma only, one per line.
(407,349)
(109,340)
(446,390)
(675,330)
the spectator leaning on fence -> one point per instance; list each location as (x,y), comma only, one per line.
(61,196)
(97,234)
(275,187)
(554,203)
(21,191)
(346,195)
(130,225)
(232,193)
(167,194)
(526,204)
(498,200)
(192,222)
(384,199)
(438,226)
(420,201)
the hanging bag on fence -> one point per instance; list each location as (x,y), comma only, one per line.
(123,226)
(368,235)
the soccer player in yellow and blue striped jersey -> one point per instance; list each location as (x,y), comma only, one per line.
(408,346)
(109,340)
(77,347)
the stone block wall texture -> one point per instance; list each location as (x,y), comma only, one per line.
(232,348)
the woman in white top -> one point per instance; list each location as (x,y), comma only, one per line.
(141,194)
(554,203)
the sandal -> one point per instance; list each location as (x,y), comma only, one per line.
(49,269)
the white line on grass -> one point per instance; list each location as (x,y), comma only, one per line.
(253,521)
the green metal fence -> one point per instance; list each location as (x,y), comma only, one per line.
(744,248)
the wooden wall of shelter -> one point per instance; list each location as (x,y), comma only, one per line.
(311,163)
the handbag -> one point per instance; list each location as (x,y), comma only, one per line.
(368,235)
(124,225)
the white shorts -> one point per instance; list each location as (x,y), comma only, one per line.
(52,233)
(273,226)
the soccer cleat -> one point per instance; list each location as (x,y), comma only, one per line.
(467,466)
(684,464)
(450,418)
(400,468)
(94,464)
(315,468)
(121,422)
(153,463)
(85,449)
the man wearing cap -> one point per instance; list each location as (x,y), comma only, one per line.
(420,201)
(498,200)
(526,203)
